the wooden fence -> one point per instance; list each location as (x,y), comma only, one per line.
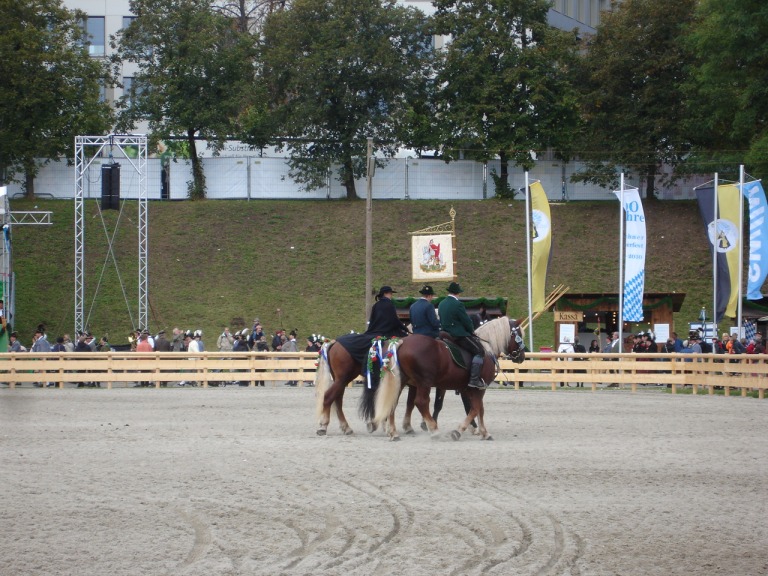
(742,372)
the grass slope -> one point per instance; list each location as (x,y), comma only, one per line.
(216,263)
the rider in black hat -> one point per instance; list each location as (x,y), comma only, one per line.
(384,320)
(423,317)
(455,320)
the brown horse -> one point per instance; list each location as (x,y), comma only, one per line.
(336,368)
(424,363)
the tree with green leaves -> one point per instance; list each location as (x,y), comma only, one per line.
(504,87)
(633,76)
(195,71)
(50,88)
(729,83)
(338,72)
(249,14)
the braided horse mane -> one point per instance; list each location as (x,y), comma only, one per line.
(495,335)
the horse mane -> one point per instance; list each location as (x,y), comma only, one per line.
(495,335)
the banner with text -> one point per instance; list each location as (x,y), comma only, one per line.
(635,241)
(757,269)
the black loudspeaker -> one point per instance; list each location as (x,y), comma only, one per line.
(110,187)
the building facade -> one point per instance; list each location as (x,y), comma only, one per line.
(105,18)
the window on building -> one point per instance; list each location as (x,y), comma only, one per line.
(131,89)
(128,88)
(95,35)
(127,21)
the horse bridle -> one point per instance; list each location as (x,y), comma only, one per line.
(518,355)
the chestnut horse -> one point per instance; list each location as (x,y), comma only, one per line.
(336,368)
(424,363)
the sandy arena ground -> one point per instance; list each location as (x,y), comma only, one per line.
(230,480)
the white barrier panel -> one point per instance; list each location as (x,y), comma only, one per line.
(256,177)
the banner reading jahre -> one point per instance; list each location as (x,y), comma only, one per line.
(431,257)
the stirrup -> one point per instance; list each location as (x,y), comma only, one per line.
(480,385)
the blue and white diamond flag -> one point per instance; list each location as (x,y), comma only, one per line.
(634,254)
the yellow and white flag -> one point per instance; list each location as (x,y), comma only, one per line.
(541,235)
(724,232)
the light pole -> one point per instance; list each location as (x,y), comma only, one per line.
(369,233)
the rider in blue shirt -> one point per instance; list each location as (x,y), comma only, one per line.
(423,316)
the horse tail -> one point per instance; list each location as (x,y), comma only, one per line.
(389,387)
(372,376)
(367,402)
(323,378)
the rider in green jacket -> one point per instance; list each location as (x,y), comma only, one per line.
(455,320)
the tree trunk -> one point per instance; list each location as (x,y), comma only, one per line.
(650,179)
(504,169)
(197,189)
(29,180)
(348,176)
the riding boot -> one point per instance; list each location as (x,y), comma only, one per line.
(474,375)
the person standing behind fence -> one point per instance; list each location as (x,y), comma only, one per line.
(677,343)
(177,344)
(69,346)
(13,343)
(144,345)
(225,341)
(693,347)
(290,346)
(82,346)
(579,349)
(565,348)
(161,342)
(40,344)
(191,345)
(256,333)
(759,344)
(734,345)
(59,346)
(240,344)
(277,340)
(199,340)
(612,346)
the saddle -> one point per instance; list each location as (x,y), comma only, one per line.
(460,357)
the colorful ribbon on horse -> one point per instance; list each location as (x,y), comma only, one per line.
(391,354)
(374,355)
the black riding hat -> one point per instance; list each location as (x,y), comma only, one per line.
(427,290)
(454,288)
(385,290)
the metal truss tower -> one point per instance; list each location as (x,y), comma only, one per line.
(87,149)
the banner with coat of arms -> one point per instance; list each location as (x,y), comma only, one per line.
(723,230)
(432,252)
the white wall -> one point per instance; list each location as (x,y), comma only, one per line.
(254,177)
